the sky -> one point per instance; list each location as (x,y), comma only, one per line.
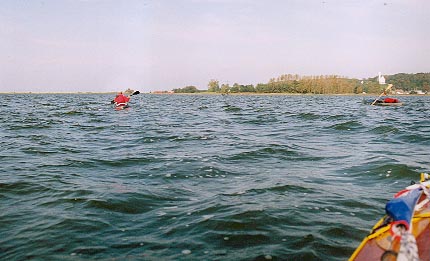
(150,45)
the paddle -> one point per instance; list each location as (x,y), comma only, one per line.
(389,87)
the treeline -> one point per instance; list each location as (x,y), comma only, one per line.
(322,84)
(410,82)
(188,89)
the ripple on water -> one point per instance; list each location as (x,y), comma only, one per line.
(270,152)
(387,129)
(347,126)
(309,116)
(127,203)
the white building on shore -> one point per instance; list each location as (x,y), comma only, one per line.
(381,78)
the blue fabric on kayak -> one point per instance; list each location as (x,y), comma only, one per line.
(402,208)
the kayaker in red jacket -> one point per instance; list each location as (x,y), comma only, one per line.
(391,100)
(121,99)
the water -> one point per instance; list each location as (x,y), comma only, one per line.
(201,177)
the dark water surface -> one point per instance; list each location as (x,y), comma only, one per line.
(201,177)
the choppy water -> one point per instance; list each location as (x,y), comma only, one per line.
(201,177)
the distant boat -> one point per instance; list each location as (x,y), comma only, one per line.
(385,102)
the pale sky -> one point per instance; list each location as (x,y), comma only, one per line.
(148,45)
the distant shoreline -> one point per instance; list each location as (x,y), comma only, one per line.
(289,94)
(212,93)
(58,92)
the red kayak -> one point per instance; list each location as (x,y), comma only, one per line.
(121,106)
(387,102)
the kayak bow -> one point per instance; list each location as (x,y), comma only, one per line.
(404,232)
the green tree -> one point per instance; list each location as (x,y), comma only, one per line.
(213,86)
(225,88)
(247,88)
(235,88)
(187,89)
